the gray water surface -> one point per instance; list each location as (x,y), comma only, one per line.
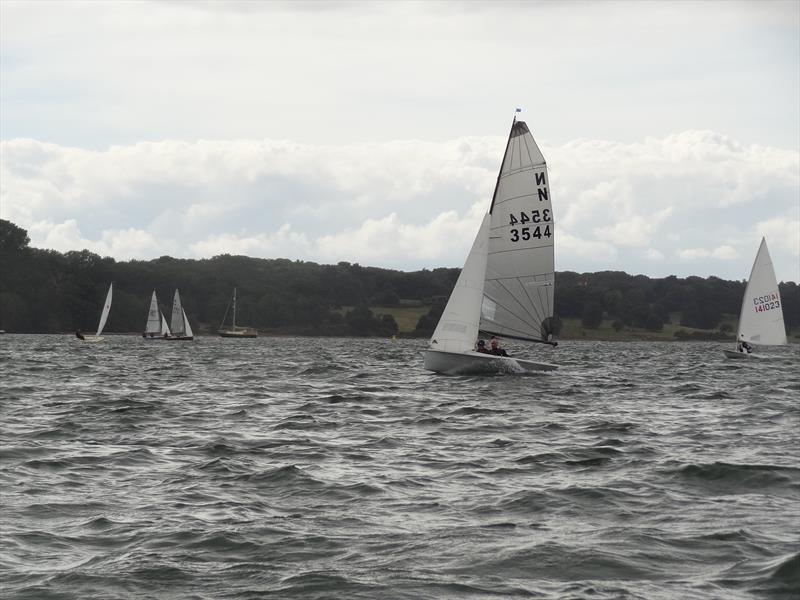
(339,468)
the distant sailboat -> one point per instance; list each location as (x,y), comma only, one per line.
(181,329)
(506,285)
(156,327)
(235,331)
(761,316)
(103,319)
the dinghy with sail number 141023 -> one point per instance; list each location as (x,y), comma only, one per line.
(761,316)
(506,286)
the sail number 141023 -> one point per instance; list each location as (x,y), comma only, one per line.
(527,233)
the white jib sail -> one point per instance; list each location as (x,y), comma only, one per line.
(457,329)
(164,327)
(106,310)
(761,317)
(518,291)
(187,328)
(153,317)
(177,315)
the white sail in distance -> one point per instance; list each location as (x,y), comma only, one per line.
(520,269)
(761,316)
(177,319)
(164,326)
(457,329)
(153,317)
(106,310)
(187,328)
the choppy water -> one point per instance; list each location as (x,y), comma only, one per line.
(339,468)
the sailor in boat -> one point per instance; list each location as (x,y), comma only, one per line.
(482,347)
(496,349)
(79,335)
(744,347)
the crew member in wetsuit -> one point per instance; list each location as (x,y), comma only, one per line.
(79,335)
(745,348)
(496,349)
(482,347)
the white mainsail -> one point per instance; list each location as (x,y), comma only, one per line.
(457,329)
(153,317)
(106,310)
(518,291)
(761,317)
(177,320)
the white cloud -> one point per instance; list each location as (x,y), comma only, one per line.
(634,230)
(584,251)
(781,233)
(121,244)
(406,204)
(446,238)
(724,252)
(263,245)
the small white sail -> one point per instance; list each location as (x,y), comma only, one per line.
(177,321)
(518,292)
(153,317)
(164,327)
(187,328)
(457,329)
(106,310)
(761,317)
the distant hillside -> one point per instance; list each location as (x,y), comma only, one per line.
(43,291)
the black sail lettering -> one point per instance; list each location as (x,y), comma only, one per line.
(542,194)
(540,178)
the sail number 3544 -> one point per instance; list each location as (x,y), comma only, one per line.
(527,233)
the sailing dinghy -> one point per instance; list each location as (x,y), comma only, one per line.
(103,318)
(181,329)
(235,331)
(506,286)
(156,327)
(761,316)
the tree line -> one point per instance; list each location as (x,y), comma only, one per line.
(44,291)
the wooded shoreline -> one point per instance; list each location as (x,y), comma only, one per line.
(44,291)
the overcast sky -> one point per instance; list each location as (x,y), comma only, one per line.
(373,132)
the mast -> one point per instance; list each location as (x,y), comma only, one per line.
(234,309)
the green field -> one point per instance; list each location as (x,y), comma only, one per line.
(406,317)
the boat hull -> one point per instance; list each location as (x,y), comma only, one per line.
(179,338)
(237,334)
(468,363)
(736,355)
(92,338)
